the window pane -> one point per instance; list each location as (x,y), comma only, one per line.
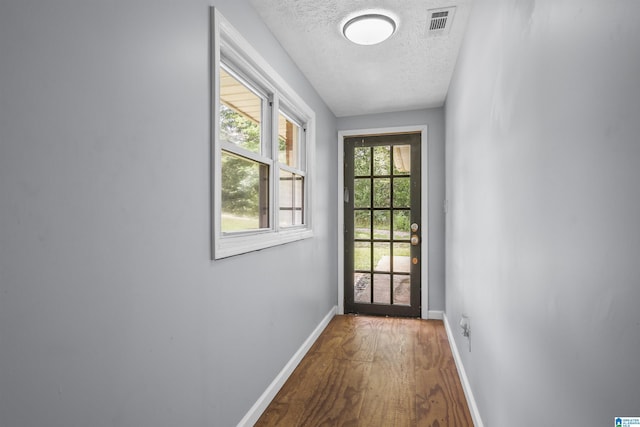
(362,190)
(381,193)
(362,161)
(288,141)
(286,198)
(401,192)
(240,113)
(291,199)
(381,160)
(401,258)
(362,287)
(381,256)
(245,193)
(381,290)
(362,223)
(401,159)
(362,256)
(381,225)
(401,289)
(401,226)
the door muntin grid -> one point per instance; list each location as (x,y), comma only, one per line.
(385,189)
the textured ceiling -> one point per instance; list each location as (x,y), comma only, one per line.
(411,70)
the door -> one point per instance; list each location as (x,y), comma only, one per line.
(382,225)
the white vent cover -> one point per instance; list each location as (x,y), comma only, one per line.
(440,21)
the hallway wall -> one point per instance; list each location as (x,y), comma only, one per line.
(434,119)
(543,238)
(111,312)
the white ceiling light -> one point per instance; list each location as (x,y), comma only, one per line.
(369,29)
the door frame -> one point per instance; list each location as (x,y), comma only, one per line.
(424,203)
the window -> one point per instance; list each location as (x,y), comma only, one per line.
(245,168)
(262,146)
(291,173)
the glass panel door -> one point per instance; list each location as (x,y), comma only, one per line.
(382,252)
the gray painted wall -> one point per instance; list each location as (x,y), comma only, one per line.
(434,119)
(111,312)
(543,235)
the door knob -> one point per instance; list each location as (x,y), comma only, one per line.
(415,240)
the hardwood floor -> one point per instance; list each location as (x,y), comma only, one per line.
(374,371)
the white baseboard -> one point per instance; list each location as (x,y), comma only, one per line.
(466,386)
(263,401)
(435,314)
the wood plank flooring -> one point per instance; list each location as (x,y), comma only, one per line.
(373,371)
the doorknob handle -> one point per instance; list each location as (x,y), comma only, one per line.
(415,240)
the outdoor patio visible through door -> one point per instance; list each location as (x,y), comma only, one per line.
(382,224)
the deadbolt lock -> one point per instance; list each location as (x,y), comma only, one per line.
(414,227)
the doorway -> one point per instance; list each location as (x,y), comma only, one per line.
(382,224)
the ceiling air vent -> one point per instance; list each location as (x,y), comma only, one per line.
(440,21)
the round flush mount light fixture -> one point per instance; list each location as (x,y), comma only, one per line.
(369,29)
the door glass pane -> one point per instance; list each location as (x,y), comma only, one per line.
(401,192)
(401,159)
(362,255)
(401,225)
(381,289)
(245,193)
(362,161)
(362,287)
(382,256)
(362,193)
(381,193)
(381,224)
(362,224)
(288,141)
(401,289)
(401,257)
(240,113)
(381,160)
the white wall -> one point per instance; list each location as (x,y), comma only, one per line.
(543,234)
(434,119)
(111,312)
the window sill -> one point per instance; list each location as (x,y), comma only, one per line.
(228,246)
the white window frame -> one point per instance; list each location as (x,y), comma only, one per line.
(230,48)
